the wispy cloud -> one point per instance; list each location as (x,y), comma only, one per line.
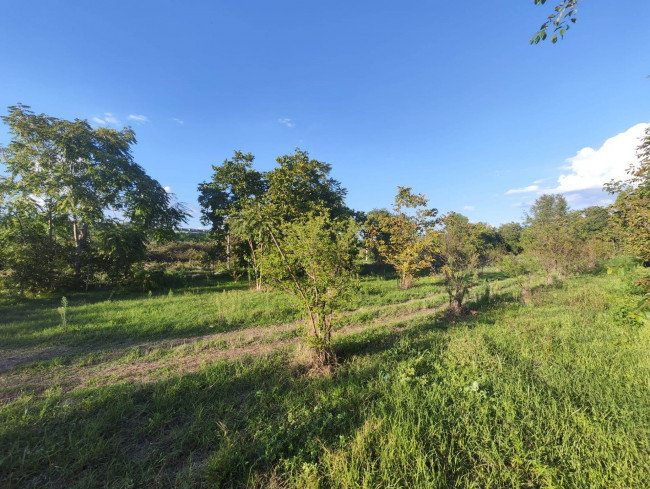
(524,190)
(178,121)
(167,189)
(287,122)
(141,119)
(108,119)
(468,208)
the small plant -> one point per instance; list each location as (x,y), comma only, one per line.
(170,294)
(63,313)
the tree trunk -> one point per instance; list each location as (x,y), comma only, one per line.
(406,282)
(80,234)
(228,250)
(455,306)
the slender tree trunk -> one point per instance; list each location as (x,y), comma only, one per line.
(228,264)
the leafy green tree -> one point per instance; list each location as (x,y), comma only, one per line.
(520,268)
(632,204)
(313,258)
(117,248)
(372,233)
(511,236)
(403,238)
(459,251)
(67,174)
(300,185)
(234,184)
(248,226)
(548,236)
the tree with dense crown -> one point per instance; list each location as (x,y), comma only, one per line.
(299,185)
(234,183)
(66,175)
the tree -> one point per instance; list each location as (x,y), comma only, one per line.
(68,178)
(459,252)
(633,202)
(403,238)
(372,235)
(548,236)
(300,185)
(234,183)
(511,236)
(564,14)
(313,258)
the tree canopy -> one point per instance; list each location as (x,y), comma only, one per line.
(70,180)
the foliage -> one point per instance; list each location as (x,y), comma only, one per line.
(300,185)
(458,253)
(70,178)
(314,260)
(233,185)
(633,203)
(564,14)
(118,248)
(510,234)
(404,239)
(548,237)
(373,234)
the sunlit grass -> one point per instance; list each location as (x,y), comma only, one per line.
(554,394)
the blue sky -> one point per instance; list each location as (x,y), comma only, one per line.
(446,97)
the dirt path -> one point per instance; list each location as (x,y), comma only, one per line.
(181,356)
(157,360)
(13,358)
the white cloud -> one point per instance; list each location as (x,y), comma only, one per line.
(167,189)
(591,168)
(287,122)
(178,121)
(524,190)
(108,119)
(468,208)
(139,118)
(541,180)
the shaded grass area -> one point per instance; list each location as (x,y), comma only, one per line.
(554,394)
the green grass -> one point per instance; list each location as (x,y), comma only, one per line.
(555,394)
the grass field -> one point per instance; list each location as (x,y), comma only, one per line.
(208,387)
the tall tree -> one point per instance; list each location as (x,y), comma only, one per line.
(234,183)
(66,171)
(299,185)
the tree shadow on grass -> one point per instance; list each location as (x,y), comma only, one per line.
(219,426)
